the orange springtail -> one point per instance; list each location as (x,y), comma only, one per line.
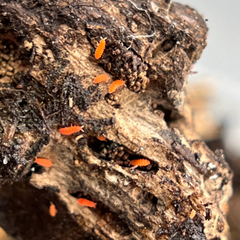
(100,49)
(101,138)
(116,84)
(192,214)
(43,162)
(70,130)
(52,210)
(101,78)
(140,162)
(87,203)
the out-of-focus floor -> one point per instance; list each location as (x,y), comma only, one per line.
(4,236)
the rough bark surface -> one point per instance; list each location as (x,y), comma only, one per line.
(47,70)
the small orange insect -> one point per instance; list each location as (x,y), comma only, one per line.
(43,162)
(52,210)
(100,49)
(116,84)
(140,162)
(101,78)
(101,138)
(70,130)
(192,214)
(87,203)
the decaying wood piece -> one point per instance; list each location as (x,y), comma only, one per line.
(47,72)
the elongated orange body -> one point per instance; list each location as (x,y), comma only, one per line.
(87,203)
(70,130)
(43,162)
(116,84)
(101,138)
(101,78)
(140,162)
(192,214)
(100,49)
(52,210)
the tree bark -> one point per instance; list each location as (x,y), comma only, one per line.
(47,72)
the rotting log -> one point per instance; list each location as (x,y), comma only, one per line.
(47,71)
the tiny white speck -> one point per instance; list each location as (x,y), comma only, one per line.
(125,183)
(214,177)
(211,165)
(70,102)
(5,160)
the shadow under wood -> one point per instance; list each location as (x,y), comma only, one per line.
(27,211)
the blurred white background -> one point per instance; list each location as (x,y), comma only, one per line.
(219,64)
